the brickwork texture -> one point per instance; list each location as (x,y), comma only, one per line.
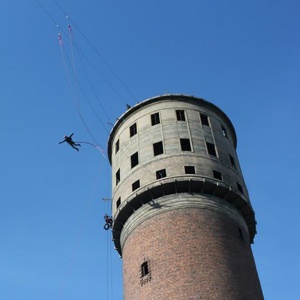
(193,254)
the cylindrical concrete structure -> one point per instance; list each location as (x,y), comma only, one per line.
(183,221)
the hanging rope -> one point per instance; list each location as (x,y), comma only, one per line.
(81,55)
(71,39)
(97,147)
(82,222)
(97,52)
(75,97)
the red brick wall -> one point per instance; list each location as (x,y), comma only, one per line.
(192,254)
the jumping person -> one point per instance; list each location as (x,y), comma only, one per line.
(69,140)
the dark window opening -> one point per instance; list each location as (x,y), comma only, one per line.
(161,174)
(118,203)
(144,269)
(180,115)
(118,177)
(134,159)
(185,145)
(217,174)
(133,130)
(189,170)
(240,233)
(211,149)
(135,185)
(158,148)
(232,161)
(224,131)
(204,119)
(155,119)
(117,146)
(239,188)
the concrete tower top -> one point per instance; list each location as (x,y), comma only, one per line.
(174,145)
(168,97)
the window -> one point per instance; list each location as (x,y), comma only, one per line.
(232,161)
(118,177)
(224,131)
(204,119)
(211,149)
(185,145)
(158,148)
(239,187)
(155,119)
(180,115)
(134,159)
(145,272)
(133,130)
(161,174)
(135,185)
(144,269)
(118,202)
(217,174)
(240,234)
(189,170)
(117,146)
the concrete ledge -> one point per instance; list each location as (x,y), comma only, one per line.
(184,201)
(194,186)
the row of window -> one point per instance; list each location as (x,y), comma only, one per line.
(180,115)
(163,173)
(185,146)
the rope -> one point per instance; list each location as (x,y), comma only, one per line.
(96,51)
(97,147)
(71,38)
(79,234)
(70,86)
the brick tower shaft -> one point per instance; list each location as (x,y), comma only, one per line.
(192,251)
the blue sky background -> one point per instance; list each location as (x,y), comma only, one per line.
(241,55)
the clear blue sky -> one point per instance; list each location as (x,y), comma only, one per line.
(241,55)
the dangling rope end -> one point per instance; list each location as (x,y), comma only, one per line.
(96,146)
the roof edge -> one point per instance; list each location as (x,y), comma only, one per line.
(151,100)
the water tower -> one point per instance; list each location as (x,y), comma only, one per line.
(183,221)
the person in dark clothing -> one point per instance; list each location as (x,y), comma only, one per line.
(108,221)
(69,140)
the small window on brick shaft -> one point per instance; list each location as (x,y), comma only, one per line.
(204,119)
(144,269)
(155,119)
(134,159)
(180,115)
(189,170)
(161,174)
